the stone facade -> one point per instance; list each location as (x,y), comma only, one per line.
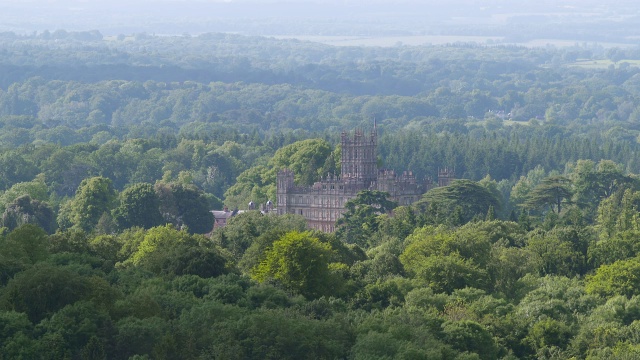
(323,202)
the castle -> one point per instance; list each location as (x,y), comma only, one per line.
(323,202)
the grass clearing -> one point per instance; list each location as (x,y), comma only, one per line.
(603,64)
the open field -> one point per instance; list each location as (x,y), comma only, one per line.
(417,40)
(386,41)
(603,64)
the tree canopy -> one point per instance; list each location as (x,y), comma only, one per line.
(115,149)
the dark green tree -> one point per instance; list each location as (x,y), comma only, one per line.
(42,290)
(24,210)
(185,205)
(469,196)
(27,245)
(552,191)
(139,206)
(593,182)
(470,336)
(360,220)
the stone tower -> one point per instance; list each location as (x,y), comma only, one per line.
(359,161)
(446,176)
(284,183)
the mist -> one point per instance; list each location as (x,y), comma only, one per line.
(340,21)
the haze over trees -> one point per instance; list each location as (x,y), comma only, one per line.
(340,22)
(113,151)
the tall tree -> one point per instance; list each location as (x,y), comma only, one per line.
(300,263)
(305,158)
(36,189)
(594,182)
(552,191)
(170,252)
(25,210)
(139,206)
(182,204)
(360,219)
(94,197)
(469,197)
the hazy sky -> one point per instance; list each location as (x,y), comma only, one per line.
(326,17)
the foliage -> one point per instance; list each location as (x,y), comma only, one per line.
(468,197)
(167,251)
(94,197)
(552,192)
(24,210)
(300,263)
(619,278)
(254,230)
(36,190)
(360,220)
(44,289)
(185,205)
(139,206)
(470,336)
(305,158)
(127,143)
(24,246)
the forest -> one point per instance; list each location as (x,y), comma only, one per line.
(113,151)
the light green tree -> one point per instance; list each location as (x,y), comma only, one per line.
(37,189)
(94,197)
(298,262)
(620,278)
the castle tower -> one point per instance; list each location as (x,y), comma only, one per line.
(284,183)
(446,176)
(358,159)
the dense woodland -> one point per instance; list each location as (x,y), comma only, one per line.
(113,151)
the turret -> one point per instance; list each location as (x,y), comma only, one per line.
(284,184)
(446,176)
(359,157)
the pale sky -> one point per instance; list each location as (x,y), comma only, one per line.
(323,17)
